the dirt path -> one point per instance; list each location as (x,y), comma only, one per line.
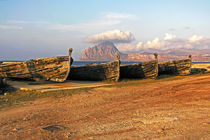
(178,109)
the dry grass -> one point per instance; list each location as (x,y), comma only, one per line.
(18,97)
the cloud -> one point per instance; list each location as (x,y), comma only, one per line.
(172,29)
(83,27)
(104,22)
(187,28)
(154,44)
(26,22)
(139,45)
(120,16)
(171,42)
(196,38)
(198,42)
(169,36)
(115,36)
(126,47)
(10,27)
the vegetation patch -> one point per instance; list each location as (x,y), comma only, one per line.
(18,97)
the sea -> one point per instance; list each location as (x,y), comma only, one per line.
(83,63)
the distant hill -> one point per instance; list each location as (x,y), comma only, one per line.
(107,51)
(102,52)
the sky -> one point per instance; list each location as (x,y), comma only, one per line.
(44,28)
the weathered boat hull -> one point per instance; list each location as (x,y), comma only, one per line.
(147,69)
(140,70)
(51,69)
(175,67)
(1,83)
(96,72)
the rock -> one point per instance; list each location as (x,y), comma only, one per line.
(53,128)
(198,70)
(24,119)
(102,52)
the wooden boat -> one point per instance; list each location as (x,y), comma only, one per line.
(147,69)
(51,68)
(176,67)
(1,82)
(109,71)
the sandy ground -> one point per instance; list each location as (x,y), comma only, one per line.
(178,109)
(46,86)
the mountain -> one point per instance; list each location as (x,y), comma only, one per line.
(198,55)
(107,51)
(102,52)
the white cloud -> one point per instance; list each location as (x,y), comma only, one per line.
(10,27)
(154,44)
(196,38)
(126,47)
(120,16)
(26,22)
(169,36)
(170,42)
(104,22)
(83,27)
(115,36)
(139,45)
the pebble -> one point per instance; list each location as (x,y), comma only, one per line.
(24,119)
